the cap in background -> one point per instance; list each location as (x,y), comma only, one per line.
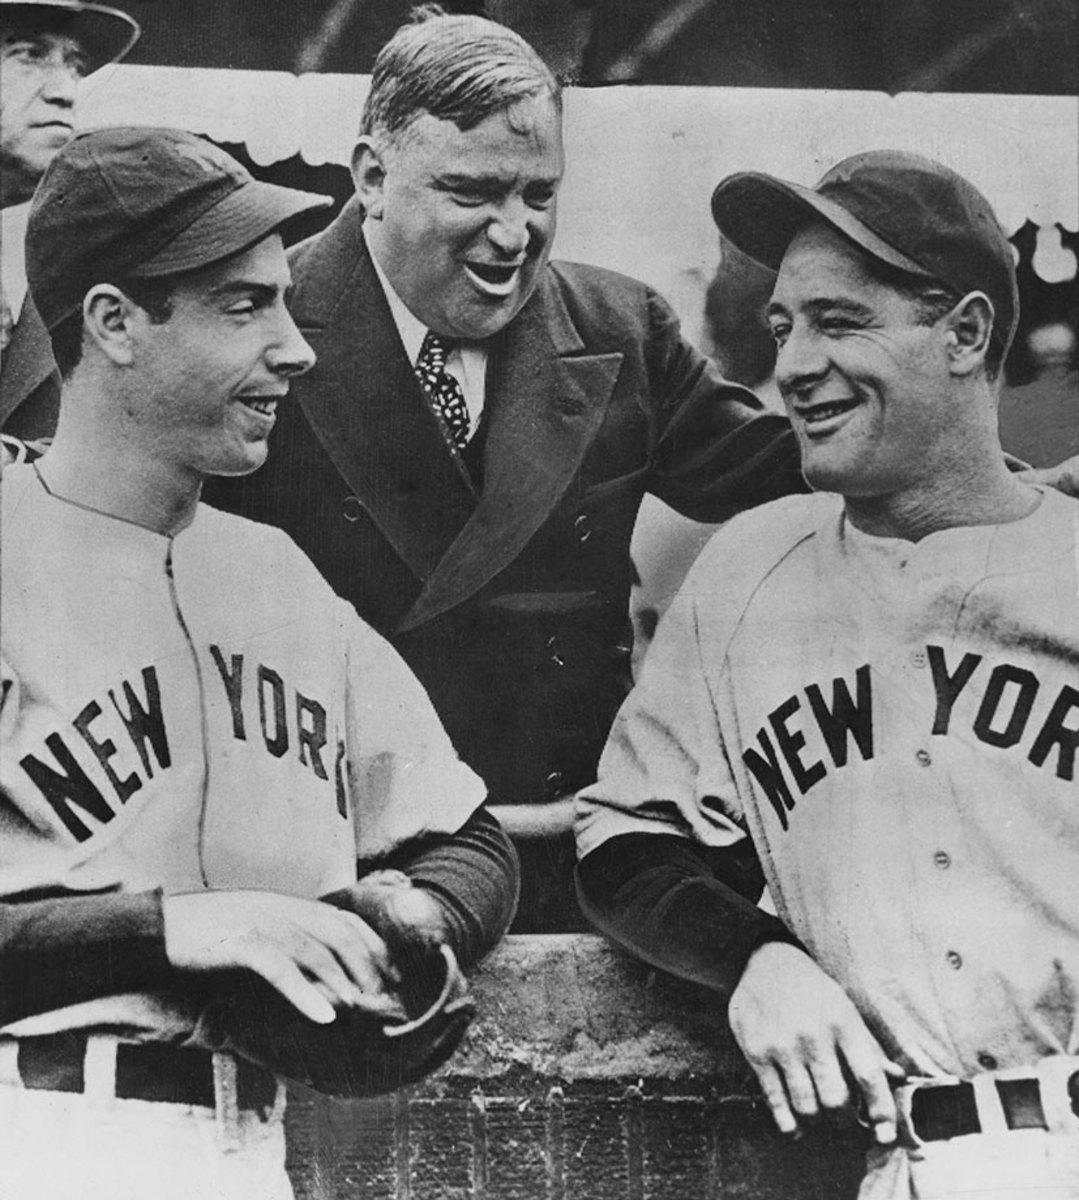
(904,210)
(105,34)
(143,202)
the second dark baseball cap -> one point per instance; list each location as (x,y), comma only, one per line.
(905,210)
(143,202)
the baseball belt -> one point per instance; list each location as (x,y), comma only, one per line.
(1045,1096)
(154,1071)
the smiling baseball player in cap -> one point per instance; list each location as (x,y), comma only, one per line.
(869,700)
(202,749)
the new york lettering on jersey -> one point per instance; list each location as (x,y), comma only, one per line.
(116,743)
(1007,707)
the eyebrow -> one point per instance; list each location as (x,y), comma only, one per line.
(242,287)
(453,182)
(488,181)
(70,46)
(821,305)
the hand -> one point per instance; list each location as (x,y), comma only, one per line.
(804,1038)
(316,956)
(409,919)
(1064,476)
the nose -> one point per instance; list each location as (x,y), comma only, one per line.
(508,230)
(60,81)
(800,361)
(290,354)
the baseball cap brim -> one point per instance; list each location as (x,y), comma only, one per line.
(760,214)
(104,34)
(241,219)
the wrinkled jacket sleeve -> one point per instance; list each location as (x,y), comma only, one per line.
(716,450)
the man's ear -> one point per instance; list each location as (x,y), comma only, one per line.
(108,318)
(969,326)
(369,174)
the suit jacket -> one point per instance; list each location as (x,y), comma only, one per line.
(509,600)
(29,380)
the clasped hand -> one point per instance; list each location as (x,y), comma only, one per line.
(319,957)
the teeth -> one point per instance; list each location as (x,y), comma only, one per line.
(824,412)
(265,407)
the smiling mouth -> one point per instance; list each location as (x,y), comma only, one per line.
(492,279)
(819,419)
(265,406)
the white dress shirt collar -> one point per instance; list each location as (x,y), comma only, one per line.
(466,363)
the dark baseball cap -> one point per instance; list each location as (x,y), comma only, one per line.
(104,34)
(904,210)
(143,202)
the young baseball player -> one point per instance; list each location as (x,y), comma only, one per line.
(200,742)
(869,700)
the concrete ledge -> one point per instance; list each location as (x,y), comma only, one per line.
(586,1076)
(572,1007)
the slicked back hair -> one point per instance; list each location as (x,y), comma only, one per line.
(457,67)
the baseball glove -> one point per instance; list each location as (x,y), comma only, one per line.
(360,1053)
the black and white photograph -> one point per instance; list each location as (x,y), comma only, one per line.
(539,600)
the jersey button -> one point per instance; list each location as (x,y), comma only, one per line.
(918,658)
(987,1062)
(924,758)
(942,859)
(953,960)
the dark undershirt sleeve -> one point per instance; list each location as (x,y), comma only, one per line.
(475,876)
(66,949)
(686,908)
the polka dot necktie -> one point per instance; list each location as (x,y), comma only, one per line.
(444,392)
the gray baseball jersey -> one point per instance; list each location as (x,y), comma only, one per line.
(896,725)
(194,712)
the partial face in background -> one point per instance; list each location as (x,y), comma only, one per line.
(40,75)
(208,379)
(864,379)
(461,221)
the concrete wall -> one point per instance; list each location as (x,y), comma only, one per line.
(585,1077)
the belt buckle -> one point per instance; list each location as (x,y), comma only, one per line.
(906,1134)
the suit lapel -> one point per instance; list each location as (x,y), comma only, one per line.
(365,405)
(28,360)
(546,403)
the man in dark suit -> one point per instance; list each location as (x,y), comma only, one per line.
(474,496)
(47,47)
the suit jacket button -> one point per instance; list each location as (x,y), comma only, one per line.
(554,648)
(352,509)
(556,784)
(582,526)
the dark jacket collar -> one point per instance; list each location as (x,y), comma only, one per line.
(545,400)
(28,363)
